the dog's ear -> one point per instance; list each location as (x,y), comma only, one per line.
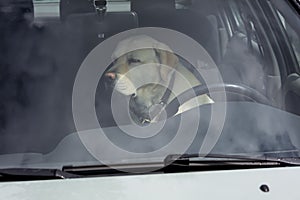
(169,59)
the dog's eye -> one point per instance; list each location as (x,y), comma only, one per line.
(133,60)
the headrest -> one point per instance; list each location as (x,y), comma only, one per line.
(93,29)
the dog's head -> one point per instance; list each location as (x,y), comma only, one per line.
(141,67)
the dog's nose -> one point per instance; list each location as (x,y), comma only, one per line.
(109,80)
(111,76)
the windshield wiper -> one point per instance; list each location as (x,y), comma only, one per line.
(26,174)
(114,169)
(210,162)
(182,163)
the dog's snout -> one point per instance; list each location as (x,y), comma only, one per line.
(109,79)
(111,76)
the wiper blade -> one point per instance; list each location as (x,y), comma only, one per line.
(180,163)
(114,169)
(26,174)
(198,162)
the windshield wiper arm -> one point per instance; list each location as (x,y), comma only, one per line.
(198,162)
(25,174)
(181,163)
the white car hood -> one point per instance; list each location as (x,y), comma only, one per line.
(283,183)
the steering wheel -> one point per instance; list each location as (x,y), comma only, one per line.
(241,90)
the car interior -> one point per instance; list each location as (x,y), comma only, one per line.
(37,54)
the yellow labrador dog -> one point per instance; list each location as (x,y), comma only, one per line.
(143,69)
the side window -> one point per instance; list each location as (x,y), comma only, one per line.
(237,17)
(242,23)
(293,36)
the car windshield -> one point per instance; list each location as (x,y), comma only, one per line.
(84,82)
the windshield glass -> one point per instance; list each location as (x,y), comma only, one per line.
(86,82)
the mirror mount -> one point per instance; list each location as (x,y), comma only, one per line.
(100,7)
